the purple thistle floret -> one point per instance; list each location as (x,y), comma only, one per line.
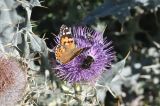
(92,62)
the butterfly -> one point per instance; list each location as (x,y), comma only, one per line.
(66,50)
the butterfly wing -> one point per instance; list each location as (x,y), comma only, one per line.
(69,55)
(64,30)
(59,52)
(65,55)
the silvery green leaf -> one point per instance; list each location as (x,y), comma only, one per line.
(106,83)
(39,45)
(153,3)
(9,19)
(118,8)
(108,75)
(144,2)
(157,44)
(35,3)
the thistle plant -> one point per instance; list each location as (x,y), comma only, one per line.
(18,40)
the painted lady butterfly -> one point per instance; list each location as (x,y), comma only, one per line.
(66,50)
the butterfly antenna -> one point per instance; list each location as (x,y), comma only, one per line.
(56,38)
(54,34)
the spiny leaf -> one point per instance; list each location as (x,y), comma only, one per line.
(118,8)
(103,83)
(110,74)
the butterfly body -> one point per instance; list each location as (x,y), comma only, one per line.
(66,50)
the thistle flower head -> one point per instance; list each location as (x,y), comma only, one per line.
(12,81)
(87,66)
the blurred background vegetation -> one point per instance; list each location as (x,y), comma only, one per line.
(131,24)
